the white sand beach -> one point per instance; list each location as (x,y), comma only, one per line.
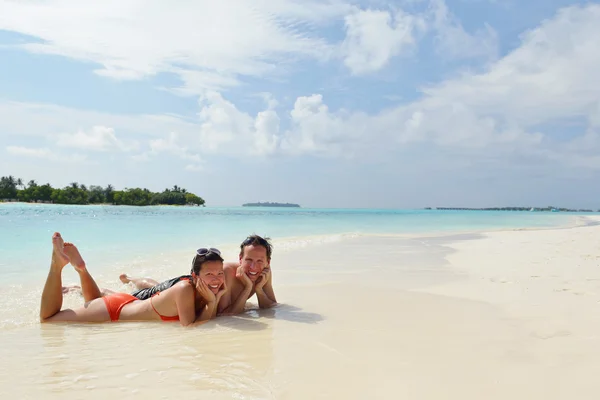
(501,315)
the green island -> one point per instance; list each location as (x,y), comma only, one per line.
(12,189)
(270,204)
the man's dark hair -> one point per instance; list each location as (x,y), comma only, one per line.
(255,240)
(198,261)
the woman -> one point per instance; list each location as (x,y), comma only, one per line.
(188,301)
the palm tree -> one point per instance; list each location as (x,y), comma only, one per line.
(11,181)
(32,183)
(108,193)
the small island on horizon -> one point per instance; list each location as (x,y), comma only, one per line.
(270,204)
(545,209)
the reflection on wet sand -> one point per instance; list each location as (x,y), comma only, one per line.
(286,312)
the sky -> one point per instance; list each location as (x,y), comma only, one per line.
(324,103)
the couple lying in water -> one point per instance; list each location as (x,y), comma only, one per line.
(212,288)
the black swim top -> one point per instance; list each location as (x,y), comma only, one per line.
(144,294)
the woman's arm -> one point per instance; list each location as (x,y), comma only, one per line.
(185,300)
(208,312)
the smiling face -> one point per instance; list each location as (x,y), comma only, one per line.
(211,273)
(254,260)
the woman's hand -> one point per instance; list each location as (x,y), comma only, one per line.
(205,292)
(221,292)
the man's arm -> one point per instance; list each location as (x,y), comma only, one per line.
(237,304)
(264,290)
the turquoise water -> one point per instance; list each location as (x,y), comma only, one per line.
(111,234)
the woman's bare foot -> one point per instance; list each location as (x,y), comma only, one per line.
(124,278)
(59,258)
(76,260)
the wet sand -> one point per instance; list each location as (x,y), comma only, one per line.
(502,315)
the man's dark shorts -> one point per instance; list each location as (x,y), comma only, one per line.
(144,294)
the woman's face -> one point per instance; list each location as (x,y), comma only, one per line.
(211,273)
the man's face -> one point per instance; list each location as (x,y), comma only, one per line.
(254,260)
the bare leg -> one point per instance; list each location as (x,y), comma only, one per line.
(52,296)
(89,288)
(140,283)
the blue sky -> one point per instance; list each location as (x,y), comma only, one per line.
(325,103)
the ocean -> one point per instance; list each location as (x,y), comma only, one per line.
(113,237)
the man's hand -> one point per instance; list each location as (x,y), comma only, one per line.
(239,288)
(241,275)
(263,279)
(264,289)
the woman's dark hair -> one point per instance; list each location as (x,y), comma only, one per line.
(198,261)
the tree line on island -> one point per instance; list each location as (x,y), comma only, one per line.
(14,189)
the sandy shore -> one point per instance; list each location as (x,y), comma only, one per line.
(503,315)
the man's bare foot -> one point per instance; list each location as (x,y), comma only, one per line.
(59,258)
(124,278)
(76,260)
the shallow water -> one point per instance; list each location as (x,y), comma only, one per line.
(113,237)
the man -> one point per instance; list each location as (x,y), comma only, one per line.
(250,275)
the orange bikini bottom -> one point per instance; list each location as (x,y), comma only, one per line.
(115,302)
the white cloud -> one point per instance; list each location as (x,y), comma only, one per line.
(454,42)
(198,40)
(44,153)
(226,129)
(99,138)
(374,37)
(194,167)
(266,128)
(29,152)
(215,45)
(20,119)
(551,77)
(170,145)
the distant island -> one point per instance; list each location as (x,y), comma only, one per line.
(269,204)
(546,209)
(14,189)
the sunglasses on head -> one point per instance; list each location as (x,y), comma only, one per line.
(203,251)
